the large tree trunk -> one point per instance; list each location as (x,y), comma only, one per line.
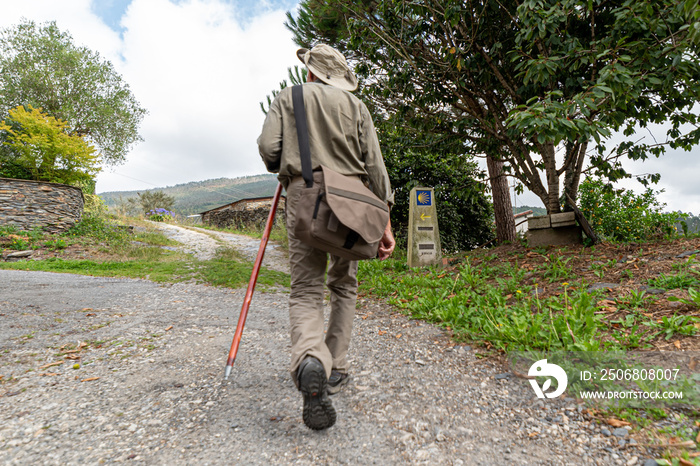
(502,207)
(576,152)
(550,166)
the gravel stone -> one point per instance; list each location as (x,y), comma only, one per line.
(150,386)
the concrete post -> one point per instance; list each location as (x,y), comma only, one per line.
(423,233)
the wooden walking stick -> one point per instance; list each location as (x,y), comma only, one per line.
(251,283)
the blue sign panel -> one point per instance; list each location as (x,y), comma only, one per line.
(424,198)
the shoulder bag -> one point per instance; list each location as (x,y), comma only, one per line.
(336,213)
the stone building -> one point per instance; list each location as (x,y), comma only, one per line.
(243,214)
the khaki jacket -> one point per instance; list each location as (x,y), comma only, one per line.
(342,137)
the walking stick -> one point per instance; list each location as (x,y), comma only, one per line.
(251,283)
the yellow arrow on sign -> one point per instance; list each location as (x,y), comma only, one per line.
(423,216)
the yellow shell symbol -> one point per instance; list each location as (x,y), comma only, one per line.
(423,198)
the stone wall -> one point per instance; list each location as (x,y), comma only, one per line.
(28,204)
(244,216)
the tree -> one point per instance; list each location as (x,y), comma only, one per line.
(41,149)
(528,83)
(40,66)
(463,209)
(152,200)
(420,160)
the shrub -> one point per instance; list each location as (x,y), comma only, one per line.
(159,215)
(624,216)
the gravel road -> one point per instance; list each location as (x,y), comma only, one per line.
(149,388)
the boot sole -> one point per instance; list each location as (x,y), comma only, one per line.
(319,413)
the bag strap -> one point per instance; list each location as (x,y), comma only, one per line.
(302,134)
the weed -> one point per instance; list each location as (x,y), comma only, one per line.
(694,298)
(675,324)
(557,269)
(55,244)
(633,300)
(598,270)
(672,282)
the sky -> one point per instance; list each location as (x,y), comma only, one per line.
(201,69)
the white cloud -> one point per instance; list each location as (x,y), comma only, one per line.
(199,73)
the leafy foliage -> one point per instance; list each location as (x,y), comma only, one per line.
(159,215)
(41,149)
(622,215)
(522,80)
(465,217)
(155,201)
(42,67)
(464,212)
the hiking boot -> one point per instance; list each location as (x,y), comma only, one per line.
(318,409)
(337,381)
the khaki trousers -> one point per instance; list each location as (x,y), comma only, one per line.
(308,269)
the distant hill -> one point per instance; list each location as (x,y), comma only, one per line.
(535,210)
(199,196)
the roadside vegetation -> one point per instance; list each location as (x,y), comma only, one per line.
(128,247)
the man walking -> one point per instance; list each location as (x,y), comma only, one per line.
(342,137)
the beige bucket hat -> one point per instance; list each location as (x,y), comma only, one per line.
(329,65)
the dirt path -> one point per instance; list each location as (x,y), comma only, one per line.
(149,388)
(203,244)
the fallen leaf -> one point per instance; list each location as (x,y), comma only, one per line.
(399,335)
(380,332)
(91,314)
(677,344)
(697,439)
(685,462)
(71,351)
(169,328)
(73,357)
(617,422)
(90,379)
(533,434)
(57,363)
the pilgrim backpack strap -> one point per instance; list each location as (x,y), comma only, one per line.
(302,134)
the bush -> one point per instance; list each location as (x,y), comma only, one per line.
(621,215)
(159,215)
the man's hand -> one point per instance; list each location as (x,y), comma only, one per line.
(387,243)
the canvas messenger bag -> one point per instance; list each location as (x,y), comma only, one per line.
(335,213)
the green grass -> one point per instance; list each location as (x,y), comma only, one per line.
(217,272)
(135,255)
(488,302)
